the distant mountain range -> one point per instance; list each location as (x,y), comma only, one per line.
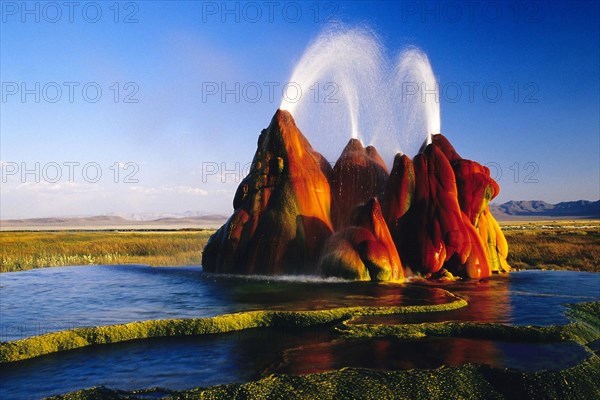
(161,221)
(512,210)
(540,209)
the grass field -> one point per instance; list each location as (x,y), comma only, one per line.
(571,245)
(27,250)
(565,245)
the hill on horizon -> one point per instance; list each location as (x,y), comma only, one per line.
(511,210)
(539,208)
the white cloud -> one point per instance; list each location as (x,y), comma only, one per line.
(165,189)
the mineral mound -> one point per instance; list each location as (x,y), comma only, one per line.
(294,214)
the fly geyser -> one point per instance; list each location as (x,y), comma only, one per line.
(295,214)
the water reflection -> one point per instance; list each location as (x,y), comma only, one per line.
(187,362)
(519,298)
(395,354)
(45,300)
(488,301)
(67,297)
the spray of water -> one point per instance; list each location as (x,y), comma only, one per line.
(417,88)
(349,89)
(339,76)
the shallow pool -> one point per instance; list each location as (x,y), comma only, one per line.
(52,299)
(188,362)
(43,300)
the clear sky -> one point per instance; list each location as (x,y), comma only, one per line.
(118,107)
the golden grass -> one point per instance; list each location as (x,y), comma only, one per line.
(568,245)
(26,250)
(556,245)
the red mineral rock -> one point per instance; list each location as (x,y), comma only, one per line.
(358,175)
(434,219)
(282,208)
(399,191)
(476,189)
(364,250)
(442,224)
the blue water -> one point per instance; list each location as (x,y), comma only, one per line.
(53,299)
(174,363)
(538,296)
(38,301)
(188,362)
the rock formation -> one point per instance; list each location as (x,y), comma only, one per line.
(358,175)
(294,214)
(282,208)
(364,250)
(444,224)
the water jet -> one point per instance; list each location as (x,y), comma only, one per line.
(352,90)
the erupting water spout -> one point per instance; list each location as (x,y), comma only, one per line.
(360,220)
(337,73)
(419,91)
(348,86)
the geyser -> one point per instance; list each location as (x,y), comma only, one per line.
(295,214)
(338,68)
(419,93)
(288,219)
(351,89)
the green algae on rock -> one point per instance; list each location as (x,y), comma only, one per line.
(469,381)
(472,381)
(80,337)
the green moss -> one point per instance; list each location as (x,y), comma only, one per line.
(80,337)
(454,329)
(344,263)
(584,330)
(468,382)
(586,327)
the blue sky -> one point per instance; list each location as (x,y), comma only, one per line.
(154,140)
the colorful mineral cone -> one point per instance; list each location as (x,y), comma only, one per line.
(358,175)
(282,208)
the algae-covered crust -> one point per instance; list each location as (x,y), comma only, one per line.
(80,337)
(455,329)
(584,329)
(467,381)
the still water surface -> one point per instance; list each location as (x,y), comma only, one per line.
(42,300)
